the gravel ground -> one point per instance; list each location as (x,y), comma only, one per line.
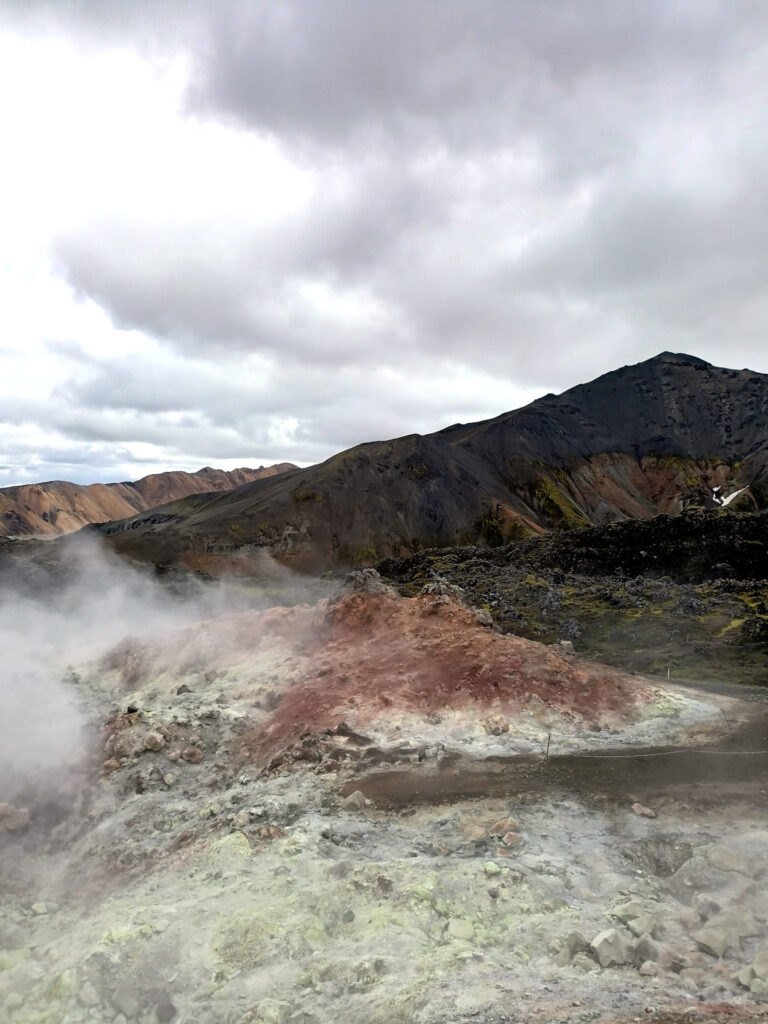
(164,877)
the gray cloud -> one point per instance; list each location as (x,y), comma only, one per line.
(539,191)
(197,413)
(329,70)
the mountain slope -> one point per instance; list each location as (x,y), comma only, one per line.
(649,438)
(59,507)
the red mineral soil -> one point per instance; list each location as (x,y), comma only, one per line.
(379,663)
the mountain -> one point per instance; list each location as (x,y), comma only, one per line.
(59,507)
(655,437)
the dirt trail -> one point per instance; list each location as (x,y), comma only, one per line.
(739,761)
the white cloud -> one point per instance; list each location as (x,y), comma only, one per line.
(244,232)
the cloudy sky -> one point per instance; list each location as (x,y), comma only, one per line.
(247,231)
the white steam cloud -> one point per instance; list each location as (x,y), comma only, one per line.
(72,611)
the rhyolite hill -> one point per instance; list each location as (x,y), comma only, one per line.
(58,506)
(651,438)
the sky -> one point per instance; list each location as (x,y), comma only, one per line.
(250,231)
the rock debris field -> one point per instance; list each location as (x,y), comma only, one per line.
(379,809)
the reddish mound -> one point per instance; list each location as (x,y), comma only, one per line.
(375,655)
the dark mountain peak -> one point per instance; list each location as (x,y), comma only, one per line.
(681,358)
(661,435)
(646,369)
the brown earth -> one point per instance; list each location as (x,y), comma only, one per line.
(378,665)
(377,655)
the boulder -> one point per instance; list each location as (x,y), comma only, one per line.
(705,905)
(714,941)
(649,969)
(697,873)
(726,859)
(688,918)
(575,942)
(760,964)
(695,978)
(642,811)
(368,581)
(355,801)
(496,725)
(582,962)
(483,617)
(674,962)
(745,977)
(608,948)
(645,949)
(643,924)
(501,828)
(511,839)
(629,911)
(154,741)
(739,923)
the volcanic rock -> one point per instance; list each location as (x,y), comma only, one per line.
(725,859)
(154,741)
(642,811)
(496,725)
(714,941)
(609,948)
(649,969)
(645,949)
(355,801)
(760,965)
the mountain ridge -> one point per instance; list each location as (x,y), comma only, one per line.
(655,436)
(56,507)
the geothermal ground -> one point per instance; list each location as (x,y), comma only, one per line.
(379,809)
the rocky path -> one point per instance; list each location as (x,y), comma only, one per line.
(739,761)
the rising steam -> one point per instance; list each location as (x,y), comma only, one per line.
(68,612)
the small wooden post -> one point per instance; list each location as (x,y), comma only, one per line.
(549,737)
